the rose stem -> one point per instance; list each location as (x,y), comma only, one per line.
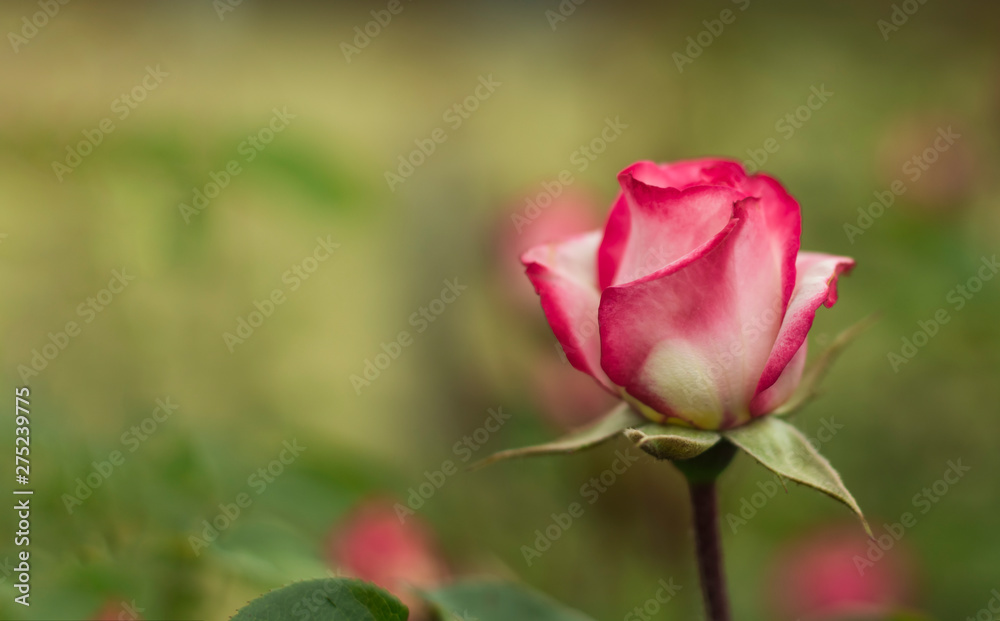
(702,473)
(708,546)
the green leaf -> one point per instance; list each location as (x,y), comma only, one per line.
(498,601)
(328,599)
(612,424)
(809,386)
(671,441)
(783,449)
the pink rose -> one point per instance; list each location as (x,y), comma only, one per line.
(827,574)
(571,213)
(565,397)
(375,545)
(694,302)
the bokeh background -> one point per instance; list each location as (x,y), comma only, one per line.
(125,551)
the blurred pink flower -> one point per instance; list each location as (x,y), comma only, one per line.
(526,224)
(117,611)
(818,577)
(567,397)
(374,544)
(561,393)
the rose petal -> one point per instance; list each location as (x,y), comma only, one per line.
(685,174)
(781,390)
(816,284)
(784,220)
(690,341)
(565,277)
(609,254)
(648,179)
(668,224)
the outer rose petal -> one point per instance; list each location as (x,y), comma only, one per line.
(784,220)
(691,340)
(780,391)
(565,277)
(816,284)
(612,247)
(679,176)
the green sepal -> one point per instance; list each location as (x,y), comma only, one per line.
(610,425)
(671,441)
(327,599)
(784,450)
(808,387)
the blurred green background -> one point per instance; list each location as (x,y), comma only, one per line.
(324,176)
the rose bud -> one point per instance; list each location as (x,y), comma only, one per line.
(694,302)
(373,544)
(824,576)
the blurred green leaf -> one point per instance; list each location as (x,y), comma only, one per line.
(498,601)
(268,551)
(329,599)
(312,173)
